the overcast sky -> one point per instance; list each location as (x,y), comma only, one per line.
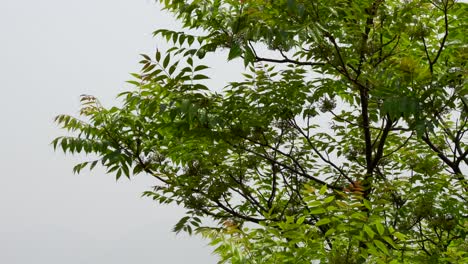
(51,51)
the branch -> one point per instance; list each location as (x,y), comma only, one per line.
(439,152)
(436,149)
(401,146)
(340,57)
(444,39)
(136,156)
(287,60)
(246,194)
(301,131)
(274,172)
(302,172)
(383,138)
(236,214)
(363,92)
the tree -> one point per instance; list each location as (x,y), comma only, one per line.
(347,146)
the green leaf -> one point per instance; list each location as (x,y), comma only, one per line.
(369,231)
(381,246)
(323,190)
(249,56)
(400,236)
(118,174)
(323,221)
(173,68)
(190,40)
(380,228)
(200,77)
(166,60)
(329,199)
(93,164)
(234,52)
(330,232)
(300,220)
(201,67)
(180,224)
(367,204)
(201,53)
(317,211)
(158,55)
(389,241)
(341,204)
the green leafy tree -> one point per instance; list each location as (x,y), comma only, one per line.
(347,145)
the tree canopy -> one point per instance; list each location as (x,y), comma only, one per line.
(345,141)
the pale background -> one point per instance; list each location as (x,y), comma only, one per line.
(51,51)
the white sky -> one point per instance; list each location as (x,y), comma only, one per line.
(51,51)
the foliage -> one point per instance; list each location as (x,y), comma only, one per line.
(347,146)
